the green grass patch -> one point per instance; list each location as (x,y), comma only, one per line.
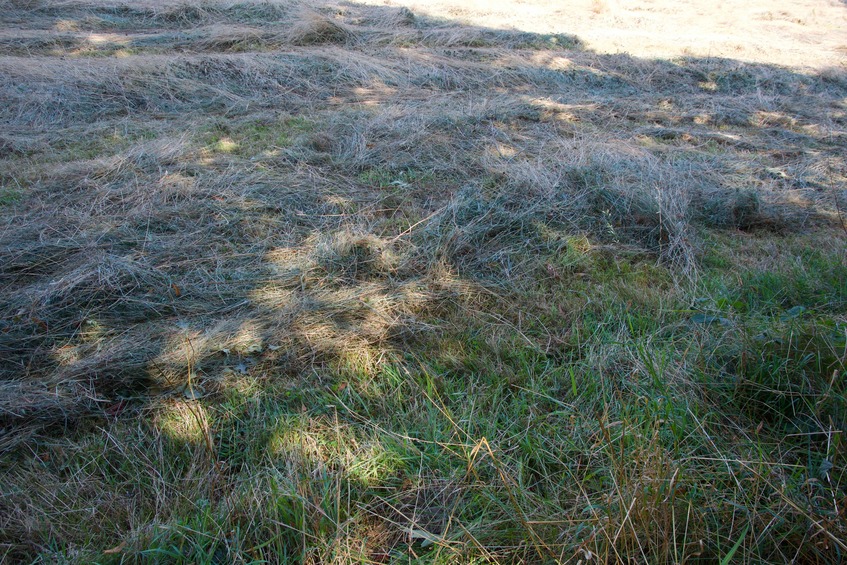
(255,138)
(98,144)
(9,196)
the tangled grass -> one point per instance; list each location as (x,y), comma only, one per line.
(344,283)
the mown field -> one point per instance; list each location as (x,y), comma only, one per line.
(340,283)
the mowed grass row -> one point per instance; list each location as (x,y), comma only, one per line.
(345,284)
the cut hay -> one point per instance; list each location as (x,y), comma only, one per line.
(348,283)
(314,29)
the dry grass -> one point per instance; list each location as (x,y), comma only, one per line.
(349,283)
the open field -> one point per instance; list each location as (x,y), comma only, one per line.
(420,283)
(800,34)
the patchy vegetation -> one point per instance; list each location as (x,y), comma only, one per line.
(352,284)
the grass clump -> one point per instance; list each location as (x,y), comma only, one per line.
(316,29)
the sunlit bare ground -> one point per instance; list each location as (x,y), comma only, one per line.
(801,33)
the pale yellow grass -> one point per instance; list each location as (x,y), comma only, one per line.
(795,33)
